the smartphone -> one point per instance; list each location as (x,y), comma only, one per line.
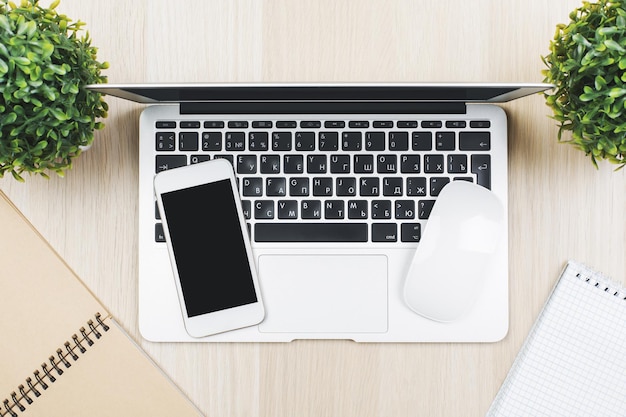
(209,248)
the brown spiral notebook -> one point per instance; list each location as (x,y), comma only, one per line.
(61,351)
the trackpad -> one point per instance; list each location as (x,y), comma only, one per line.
(324,293)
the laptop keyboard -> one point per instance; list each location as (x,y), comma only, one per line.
(359,180)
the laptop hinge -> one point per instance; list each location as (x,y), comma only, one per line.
(322,107)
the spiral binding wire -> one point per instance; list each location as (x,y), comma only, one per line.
(608,286)
(18,400)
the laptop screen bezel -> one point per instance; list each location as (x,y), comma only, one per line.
(323,92)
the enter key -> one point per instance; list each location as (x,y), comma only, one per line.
(481,166)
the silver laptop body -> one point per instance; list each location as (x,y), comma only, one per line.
(367,158)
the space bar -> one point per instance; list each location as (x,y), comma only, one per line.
(310,232)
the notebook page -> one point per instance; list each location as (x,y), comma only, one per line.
(573,362)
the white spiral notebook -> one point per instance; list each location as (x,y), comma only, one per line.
(573,362)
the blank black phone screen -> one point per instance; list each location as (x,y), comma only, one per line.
(209,248)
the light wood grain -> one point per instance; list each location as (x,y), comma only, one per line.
(561,207)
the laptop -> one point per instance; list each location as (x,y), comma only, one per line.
(337,182)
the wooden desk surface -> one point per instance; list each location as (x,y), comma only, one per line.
(561,207)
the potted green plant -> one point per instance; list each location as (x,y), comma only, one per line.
(47,117)
(587,65)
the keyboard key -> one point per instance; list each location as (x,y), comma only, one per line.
(165,124)
(407,124)
(334,209)
(410,164)
(281,141)
(252,187)
(410,232)
(310,232)
(445,141)
(159,234)
(375,141)
(328,141)
(346,186)
(392,187)
(405,209)
(359,124)
(213,124)
(456,124)
(381,209)
(457,164)
(165,162)
(481,166)
(387,164)
(212,141)
(305,141)
(263,209)
(433,164)
(357,209)
(188,141)
(238,124)
(480,124)
(424,207)
(437,184)
(262,124)
(398,141)
(235,141)
(322,186)
(293,164)
(276,186)
(229,158)
(369,186)
(351,141)
(246,164)
(246,207)
(475,141)
(334,124)
(287,209)
(189,124)
(422,141)
(258,141)
(311,209)
(416,186)
(165,141)
(431,124)
(340,164)
(310,124)
(363,164)
(286,124)
(299,186)
(384,232)
(388,124)
(196,159)
(316,164)
(270,164)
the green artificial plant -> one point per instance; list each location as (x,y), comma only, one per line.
(587,65)
(46,115)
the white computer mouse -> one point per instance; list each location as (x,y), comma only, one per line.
(458,245)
